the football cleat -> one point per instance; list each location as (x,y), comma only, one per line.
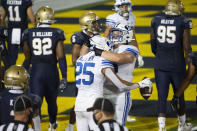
(52,127)
(185,127)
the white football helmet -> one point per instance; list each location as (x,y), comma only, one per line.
(101,43)
(119,3)
(121,34)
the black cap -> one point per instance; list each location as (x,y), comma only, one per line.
(102,104)
(22,102)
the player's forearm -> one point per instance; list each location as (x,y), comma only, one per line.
(186,42)
(31,16)
(118,82)
(117,58)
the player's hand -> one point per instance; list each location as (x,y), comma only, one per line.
(140,61)
(98,52)
(63,84)
(175,103)
(145,83)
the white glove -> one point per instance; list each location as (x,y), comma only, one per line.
(145,83)
(140,61)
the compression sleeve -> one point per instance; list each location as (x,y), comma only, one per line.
(63,66)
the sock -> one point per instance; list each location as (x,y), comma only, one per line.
(182,119)
(36,121)
(162,122)
(71,126)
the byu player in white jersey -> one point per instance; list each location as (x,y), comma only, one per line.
(124,16)
(91,72)
(125,55)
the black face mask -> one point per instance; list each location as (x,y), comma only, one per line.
(30,118)
(94,118)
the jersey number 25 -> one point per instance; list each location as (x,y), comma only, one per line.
(82,71)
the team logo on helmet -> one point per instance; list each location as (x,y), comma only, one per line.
(45,15)
(16,78)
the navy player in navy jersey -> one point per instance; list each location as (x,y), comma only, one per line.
(87,21)
(3,49)
(42,45)
(170,38)
(16,84)
(17,12)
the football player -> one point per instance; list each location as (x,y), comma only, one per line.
(42,45)
(17,12)
(88,22)
(3,49)
(91,72)
(170,40)
(124,16)
(125,56)
(16,82)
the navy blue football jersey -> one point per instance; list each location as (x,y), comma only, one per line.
(80,38)
(42,42)
(16,10)
(168,33)
(6,104)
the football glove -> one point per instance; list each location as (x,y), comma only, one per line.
(140,61)
(175,103)
(63,84)
(145,83)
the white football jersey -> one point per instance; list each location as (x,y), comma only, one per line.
(115,18)
(89,80)
(125,71)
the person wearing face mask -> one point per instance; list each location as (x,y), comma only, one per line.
(23,114)
(103,115)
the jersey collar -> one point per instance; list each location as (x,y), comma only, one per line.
(44,25)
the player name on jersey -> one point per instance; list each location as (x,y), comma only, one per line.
(14,2)
(42,34)
(164,21)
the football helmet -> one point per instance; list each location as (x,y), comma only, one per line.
(45,15)
(101,43)
(174,7)
(16,78)
(89,21)
(121,34)
(119,3)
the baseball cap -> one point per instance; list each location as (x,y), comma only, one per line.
(22,102)
(102,104)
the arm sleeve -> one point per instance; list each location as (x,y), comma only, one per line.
(75,39)
(110,21)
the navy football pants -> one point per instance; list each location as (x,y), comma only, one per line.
(44,82)
(163,80)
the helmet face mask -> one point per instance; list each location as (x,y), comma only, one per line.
(90,22)
(16,78)
(174,7)
(123,7)
(121,34)
(45,15)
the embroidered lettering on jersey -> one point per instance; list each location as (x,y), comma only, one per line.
(14,2)
(41,34)
(164,21)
